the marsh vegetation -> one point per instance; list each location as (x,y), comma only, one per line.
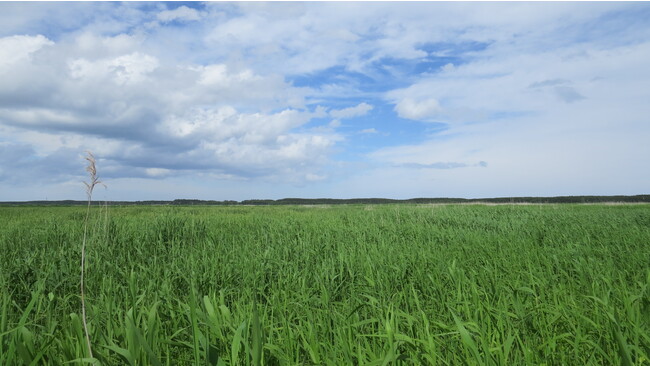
(328,285)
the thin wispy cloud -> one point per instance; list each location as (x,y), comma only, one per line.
(240,100)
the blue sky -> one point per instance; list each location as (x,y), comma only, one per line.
(234,101)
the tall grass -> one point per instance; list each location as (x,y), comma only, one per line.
(90,187)
(350,285)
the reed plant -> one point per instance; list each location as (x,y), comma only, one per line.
(91,168)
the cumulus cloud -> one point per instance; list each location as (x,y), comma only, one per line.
(155,119)
(16,49)
(125,69)
(250,144)
(417,109)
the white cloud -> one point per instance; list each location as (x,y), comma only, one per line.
(15,49)
(241,87)
(591,147)
(91,45)
(154,119)
(226,123)
(359,110)
(218,75)
(157,172)
(359,35)
(448,67)
(369,131)
(310,177)
(125,69)
(417,109)
(180,13)
(258,144)
(338,33)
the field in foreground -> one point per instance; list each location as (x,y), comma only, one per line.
(345,285)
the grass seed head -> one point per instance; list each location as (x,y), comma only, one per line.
(91,168)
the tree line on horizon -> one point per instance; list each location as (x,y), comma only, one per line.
(351,201)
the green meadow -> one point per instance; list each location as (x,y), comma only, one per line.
(327,285)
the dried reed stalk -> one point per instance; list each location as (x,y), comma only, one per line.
(94,180)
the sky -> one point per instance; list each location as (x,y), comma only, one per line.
(240,100)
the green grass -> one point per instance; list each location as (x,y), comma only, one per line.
(343,285)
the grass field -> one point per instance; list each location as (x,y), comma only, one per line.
(340,285)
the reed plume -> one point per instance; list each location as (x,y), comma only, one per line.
(90,186)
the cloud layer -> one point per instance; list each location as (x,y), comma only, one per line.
(326,99)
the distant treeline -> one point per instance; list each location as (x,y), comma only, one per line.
(333,201)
